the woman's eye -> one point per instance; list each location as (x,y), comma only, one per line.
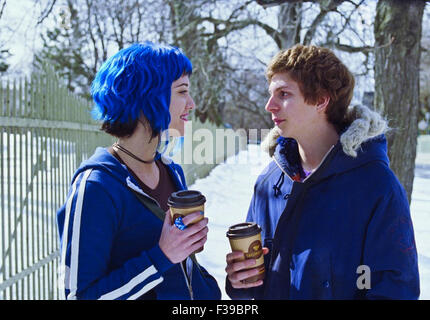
(284,93)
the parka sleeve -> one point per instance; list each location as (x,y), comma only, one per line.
(390,252)
(87,224)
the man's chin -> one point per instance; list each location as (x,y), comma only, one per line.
(285,134)
(282,132)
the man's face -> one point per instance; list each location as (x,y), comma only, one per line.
(180,105)
(290,113)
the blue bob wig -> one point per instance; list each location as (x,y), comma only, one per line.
(137,80)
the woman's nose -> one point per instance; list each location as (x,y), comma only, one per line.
(190,103)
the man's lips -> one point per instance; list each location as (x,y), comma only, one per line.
(278,121)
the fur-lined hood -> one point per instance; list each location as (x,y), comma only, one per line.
(365,125)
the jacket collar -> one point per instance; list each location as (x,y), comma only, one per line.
(362,141)
(104,161)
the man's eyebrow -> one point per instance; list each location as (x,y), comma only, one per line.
(278,88)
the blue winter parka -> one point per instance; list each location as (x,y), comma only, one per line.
(344,232)
(109,239)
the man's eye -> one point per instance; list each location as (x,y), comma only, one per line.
(284,93)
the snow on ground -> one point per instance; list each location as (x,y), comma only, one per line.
(420,212)
(229,187)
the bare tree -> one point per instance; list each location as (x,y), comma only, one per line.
(95,30)
(4,53)
(397,80)
(397,32)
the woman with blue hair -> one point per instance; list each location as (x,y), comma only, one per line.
(117,239)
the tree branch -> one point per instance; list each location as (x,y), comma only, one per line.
(45,14)
(2,8)
(312,29)
(363,49)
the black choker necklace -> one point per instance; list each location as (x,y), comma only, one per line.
(116,145)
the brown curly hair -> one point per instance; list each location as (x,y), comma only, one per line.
(317,71)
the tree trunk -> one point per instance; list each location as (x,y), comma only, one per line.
(289,24)
(397,30)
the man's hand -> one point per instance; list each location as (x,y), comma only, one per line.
(238,271)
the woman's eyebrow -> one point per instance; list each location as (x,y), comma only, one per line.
(182,84)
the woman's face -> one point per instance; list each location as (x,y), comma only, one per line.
(180,105)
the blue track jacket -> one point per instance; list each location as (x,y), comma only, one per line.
(109,240)
(350,212)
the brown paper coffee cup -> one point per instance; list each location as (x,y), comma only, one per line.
(184,202)
(182,212)
(246,237)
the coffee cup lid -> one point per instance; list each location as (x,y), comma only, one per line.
(186,199)
(242,230)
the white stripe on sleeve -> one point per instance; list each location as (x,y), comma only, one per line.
(76,227)
(146,288)
(63,268)
(73,282)
(132,283)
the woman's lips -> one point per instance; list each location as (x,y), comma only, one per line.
(184,117)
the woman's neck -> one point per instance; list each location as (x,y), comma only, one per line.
(142,146)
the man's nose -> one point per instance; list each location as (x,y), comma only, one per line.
(271,105)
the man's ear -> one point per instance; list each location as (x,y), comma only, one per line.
(322,103)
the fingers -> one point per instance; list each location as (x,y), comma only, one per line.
(236,278)
(238,266)
(196,227)
(199,244)
(196,236)
(242,270)
(190,218)
(235,255)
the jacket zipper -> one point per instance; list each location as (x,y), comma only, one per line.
(296,205)
(188,283)
(325,156)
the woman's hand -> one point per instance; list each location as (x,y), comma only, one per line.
(177,244)
(238,271)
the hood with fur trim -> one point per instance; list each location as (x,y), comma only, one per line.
(363,141)
(365,125)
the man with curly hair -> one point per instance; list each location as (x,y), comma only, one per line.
(335,220)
